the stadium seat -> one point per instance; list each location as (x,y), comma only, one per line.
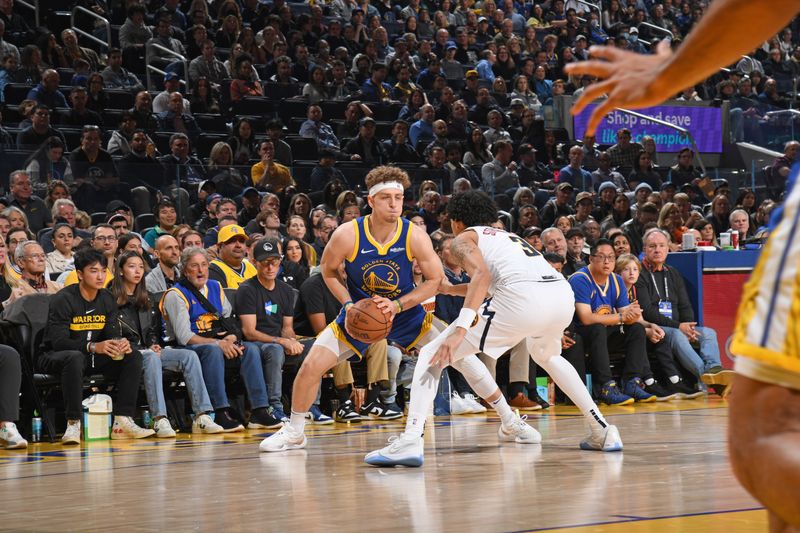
(98,217)
(14,93)
(277,92)
(119,99)
(253,105)
(206,141)
(302,145)
(211,123)
(292,109)
(144,221)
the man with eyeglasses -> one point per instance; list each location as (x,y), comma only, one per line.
(265,306)
(31,260)
(231,268)
(608,323)
(104,239)
(39,131)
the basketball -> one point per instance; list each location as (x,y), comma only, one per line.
(367,323)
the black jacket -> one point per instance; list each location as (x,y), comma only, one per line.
(140,326)
(551,211)
(675,292)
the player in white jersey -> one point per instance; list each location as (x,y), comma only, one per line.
(527,300)
(764,429)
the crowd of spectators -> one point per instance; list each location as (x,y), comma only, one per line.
(189,183)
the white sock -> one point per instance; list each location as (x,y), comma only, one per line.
(297,422)
(500,405)
(567,379)
(424,385)
(649,381)
(674,379)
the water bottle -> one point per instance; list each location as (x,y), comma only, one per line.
(147,420)
(36,428)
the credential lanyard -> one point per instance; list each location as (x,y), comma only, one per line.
(666,287)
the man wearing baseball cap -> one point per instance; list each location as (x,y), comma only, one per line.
(251,205)
(208,219)
(172,83)
(230,267)
(558,206)
(470,91)
(368,149)
(265,306)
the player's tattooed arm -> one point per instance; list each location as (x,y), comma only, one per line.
(466,253)
(458,250)
(461,248)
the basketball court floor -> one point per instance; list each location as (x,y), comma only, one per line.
(674,475)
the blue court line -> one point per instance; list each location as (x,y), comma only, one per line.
(638,519)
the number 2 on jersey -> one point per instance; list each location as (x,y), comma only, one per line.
(527,249)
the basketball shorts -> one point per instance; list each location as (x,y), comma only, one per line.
(538,312)
(766,338)
(408,328)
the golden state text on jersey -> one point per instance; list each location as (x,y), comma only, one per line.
(375,269)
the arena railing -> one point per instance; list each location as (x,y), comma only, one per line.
(597,7)
(33,5)
(151,68)
(103,20)
(658,29)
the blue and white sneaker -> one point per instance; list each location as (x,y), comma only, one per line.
(317,417)
(403,450)
(635,389)
(611,395)
(604,440)
(277,412)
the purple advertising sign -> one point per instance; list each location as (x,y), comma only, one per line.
(704,123)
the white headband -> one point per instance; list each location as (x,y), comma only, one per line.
(378,187)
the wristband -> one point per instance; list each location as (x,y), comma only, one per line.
(347,303)
(620,319)
(399,306)
(466,318)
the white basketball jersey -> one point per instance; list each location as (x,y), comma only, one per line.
(511,259)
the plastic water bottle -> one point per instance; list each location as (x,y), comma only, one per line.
(147,420)
(36,428)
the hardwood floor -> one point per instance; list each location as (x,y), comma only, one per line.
(673,476)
